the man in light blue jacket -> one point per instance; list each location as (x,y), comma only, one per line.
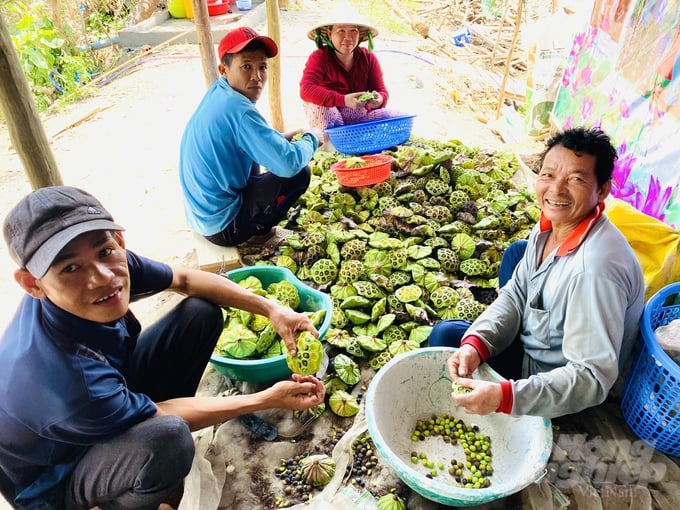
(564,324)
(227,198)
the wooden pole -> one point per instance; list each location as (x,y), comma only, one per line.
(508,63)
(500,32)
(205,41)
(26,131)
(274,31)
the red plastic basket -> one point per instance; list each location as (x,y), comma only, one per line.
(377,169)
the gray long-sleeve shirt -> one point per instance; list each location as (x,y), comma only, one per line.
(576,315)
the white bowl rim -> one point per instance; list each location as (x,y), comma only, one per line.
(456,495)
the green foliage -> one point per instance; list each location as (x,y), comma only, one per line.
(106,17)
(52,65)
(380,14)
(56,59)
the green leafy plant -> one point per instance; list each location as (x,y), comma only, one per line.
(106,17)
(53,65)
(57,59)
(383,17)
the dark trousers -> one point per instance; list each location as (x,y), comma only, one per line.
(172,353)
(449,333)
(266,200)
(6,487)
(141,467)
(137,469)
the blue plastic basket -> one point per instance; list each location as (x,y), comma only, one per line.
(372,136)
(651,394)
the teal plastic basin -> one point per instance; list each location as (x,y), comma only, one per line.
(272,369)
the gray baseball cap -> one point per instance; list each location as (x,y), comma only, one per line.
(46,220)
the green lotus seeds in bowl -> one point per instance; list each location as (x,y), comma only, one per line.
(409,411)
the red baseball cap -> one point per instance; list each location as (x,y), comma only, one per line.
(235,40)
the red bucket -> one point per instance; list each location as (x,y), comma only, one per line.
(217,7)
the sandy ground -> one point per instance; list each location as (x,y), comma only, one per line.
(126,152)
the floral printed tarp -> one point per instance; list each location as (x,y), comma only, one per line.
(623,75)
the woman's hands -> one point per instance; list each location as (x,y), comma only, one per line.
(376,102)
(352,100)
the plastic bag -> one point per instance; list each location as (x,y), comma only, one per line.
(547,51)
(668,337)
(332,498)
(655,244)
(203,485)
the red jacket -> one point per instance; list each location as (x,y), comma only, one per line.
(325,81)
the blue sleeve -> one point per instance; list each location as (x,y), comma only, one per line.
(270,148)
(147,276)
(111,409)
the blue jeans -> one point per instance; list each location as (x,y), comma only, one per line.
(449,333)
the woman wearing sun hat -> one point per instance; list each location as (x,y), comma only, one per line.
(340,71)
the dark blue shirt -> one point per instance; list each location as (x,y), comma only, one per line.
(62,387)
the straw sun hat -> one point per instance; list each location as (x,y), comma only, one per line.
(343,16)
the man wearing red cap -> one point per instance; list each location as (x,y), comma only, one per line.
(227,199)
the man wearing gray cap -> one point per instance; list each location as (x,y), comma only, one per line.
(95,412)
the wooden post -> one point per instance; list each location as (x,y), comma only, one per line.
(25,128)
(205,41)
(274,31)
(506,10)
(508,62)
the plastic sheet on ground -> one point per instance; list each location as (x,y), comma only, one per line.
(332,498)
(203,485)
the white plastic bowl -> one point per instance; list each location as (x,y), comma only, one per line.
(416,385)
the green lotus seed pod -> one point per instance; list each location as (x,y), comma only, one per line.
(307,359)
(459,389)
(391,502)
